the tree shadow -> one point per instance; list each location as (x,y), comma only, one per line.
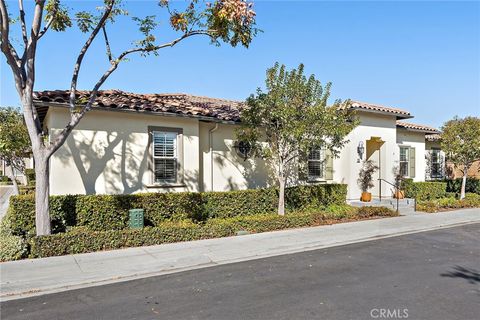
(471,275)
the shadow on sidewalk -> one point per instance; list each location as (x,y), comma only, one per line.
(471,275)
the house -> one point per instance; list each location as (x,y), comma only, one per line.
(132,143)
(448,169)
(6,170)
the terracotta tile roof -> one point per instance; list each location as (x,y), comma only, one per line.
(379,108)
(433,137)
(416,127)
(177,103)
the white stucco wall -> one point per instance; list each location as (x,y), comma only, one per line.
(346,168)
(107,153)
(415,140)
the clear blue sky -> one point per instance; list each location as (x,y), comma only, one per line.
(419,56)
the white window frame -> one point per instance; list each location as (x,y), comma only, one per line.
(438,153)
(321,160)
(177,156)
(407,161)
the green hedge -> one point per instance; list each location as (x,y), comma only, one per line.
(424,190)
(110,212)
(472,200)
(82,240)
(472,185)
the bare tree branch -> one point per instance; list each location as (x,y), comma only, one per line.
(45,29)
(22,23)
(83,51)
(7,48)
(107,44)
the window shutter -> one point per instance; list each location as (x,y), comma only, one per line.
(412,162)
(328,165)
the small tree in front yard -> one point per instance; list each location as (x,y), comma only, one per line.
(461,143)
(14,142)
(290,119)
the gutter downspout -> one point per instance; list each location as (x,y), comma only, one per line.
(210,144)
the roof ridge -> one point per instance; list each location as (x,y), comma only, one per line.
(381,106)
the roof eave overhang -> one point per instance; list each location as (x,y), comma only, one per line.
(40,103)
(398,116)
(418,130)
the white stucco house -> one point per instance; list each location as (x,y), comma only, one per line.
(132,143)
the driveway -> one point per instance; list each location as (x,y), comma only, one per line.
(429,275)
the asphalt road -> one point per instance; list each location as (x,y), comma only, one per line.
(431,275)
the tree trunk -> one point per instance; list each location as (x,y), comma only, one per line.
(42,192)
(14,181)
(281,196)
(464,183)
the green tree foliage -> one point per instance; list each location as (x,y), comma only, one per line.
(461,143)
(14,141)
(292,117)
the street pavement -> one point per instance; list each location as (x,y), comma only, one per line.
(429,275)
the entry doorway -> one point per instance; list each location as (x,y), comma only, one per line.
(377,155)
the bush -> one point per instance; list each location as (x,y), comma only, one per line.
(110,212)
(370,212)
(30,175)
(21,214)
(82,240)
(472,185)
(472,200)
(424,190)
(11,247)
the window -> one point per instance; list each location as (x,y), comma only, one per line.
(316,160)
(436,164)
(404,161)
(407,161)
(165,157)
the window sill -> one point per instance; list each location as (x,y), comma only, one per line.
(166,185)
(316,180)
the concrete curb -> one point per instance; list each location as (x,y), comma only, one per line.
(209,253)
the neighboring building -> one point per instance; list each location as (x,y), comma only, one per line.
(6,170)
(133,143)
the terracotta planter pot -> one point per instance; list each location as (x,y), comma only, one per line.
(399,194)
(366,197)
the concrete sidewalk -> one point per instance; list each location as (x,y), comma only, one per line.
(40,276)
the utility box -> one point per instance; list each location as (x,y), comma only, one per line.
(135,220)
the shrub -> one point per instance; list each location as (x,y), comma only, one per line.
(11,247)
(241,203)
(30,175)
(472,200)
(110,212)
(21,214)
(370,212)
(424,190)
(82,239)
(472,185)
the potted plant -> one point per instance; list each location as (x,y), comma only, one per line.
(365,179)
(398,193)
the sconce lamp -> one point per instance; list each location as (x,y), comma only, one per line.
(360,151)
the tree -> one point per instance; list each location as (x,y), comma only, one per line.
(14,142)
(291,119)
(229,21)
(461,143)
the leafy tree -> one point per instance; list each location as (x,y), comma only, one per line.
(461,143)
(290,119)
(229,21)
(14,142)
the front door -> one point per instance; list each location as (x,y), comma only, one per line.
(374,153)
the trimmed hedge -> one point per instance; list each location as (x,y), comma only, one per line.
(424,190)
(82,240)
(11,247)
(472,185)
(110,212)
(472,200)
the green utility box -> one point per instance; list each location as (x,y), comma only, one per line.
(135,218)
